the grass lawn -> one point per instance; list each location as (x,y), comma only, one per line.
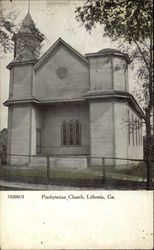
(136,171)
(72,173)
(75,173)
(58,172)
(23,172)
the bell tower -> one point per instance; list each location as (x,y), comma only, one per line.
(21,102)
(27,45)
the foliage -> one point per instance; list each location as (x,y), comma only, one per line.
(130,20)
(7,29)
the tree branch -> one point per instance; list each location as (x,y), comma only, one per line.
(146,63)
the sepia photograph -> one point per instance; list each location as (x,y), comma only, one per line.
(76,95)
(76,124)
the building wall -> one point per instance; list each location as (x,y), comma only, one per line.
(10,109)
(101,129)
(54,116)
(20,134)
(37,123)
(135,150)
(120,74)
(56,162)
(100,73)
(124,148)
(51,84)
(107,73)
(121,132)
(21,82)
(3,146)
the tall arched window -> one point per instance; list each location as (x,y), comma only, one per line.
(133,130)
(70,133)
(129,128)
(77,133)
(64,133)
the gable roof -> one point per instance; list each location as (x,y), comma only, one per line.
(53,47)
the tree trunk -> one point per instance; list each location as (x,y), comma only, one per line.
(148,119)
(149,151)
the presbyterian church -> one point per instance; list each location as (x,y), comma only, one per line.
(69,106)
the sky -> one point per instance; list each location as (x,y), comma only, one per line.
(54,18)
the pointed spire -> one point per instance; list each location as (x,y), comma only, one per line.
(29,6)
(27,41)
(28,26)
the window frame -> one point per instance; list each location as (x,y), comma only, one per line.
(71,135)
(62,133)
(133,134)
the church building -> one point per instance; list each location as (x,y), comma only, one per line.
(71,107)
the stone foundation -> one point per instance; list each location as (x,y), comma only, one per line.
(68,162)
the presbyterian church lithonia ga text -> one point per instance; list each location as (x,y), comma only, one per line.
(71,107)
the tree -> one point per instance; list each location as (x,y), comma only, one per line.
(7,29)
(131,23)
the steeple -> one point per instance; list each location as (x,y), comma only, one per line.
(29,27)
(27,41)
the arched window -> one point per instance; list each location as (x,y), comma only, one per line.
(77,133)
(129,129)
(70,133)
(133,130)
(64,133)
(136,128)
